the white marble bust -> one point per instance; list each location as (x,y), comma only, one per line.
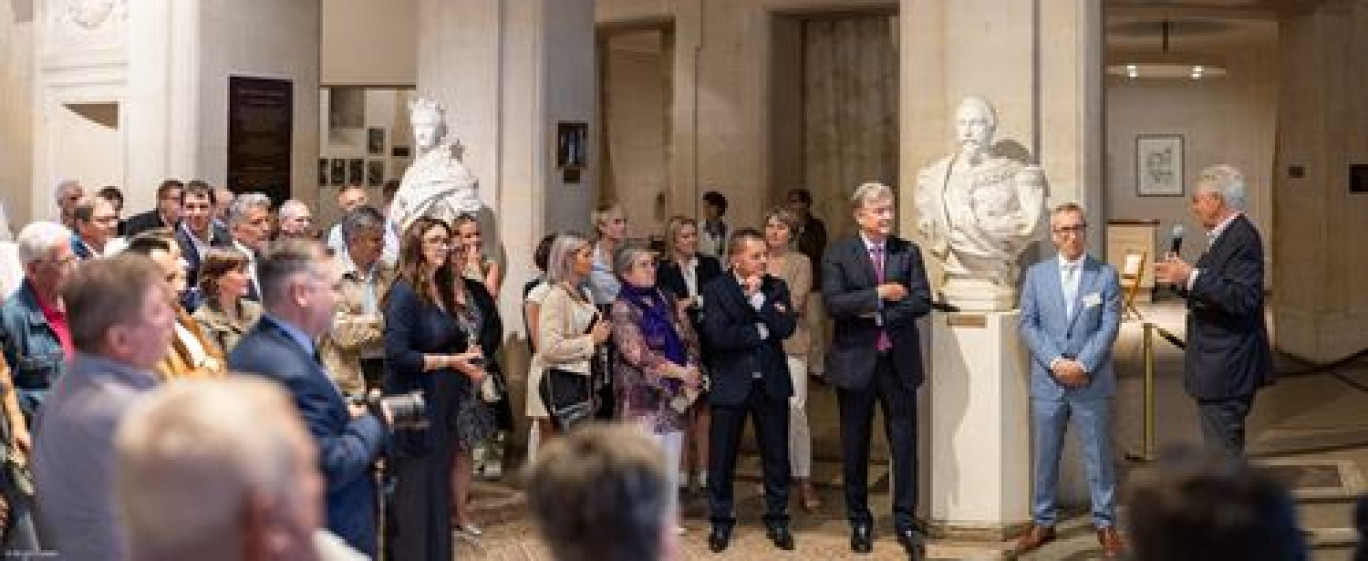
(977,212)
(437,184)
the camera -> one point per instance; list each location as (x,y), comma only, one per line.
(407,411)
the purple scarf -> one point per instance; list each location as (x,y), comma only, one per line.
(657,321)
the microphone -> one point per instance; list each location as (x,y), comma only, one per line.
(1176,246)
(1176,239)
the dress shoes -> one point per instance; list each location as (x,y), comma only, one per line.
(1112,546)
(781,536)
(720,538)
(1034,538)
(862,538)
(912,544)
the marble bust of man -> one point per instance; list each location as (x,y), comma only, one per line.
(977,212)
(437,184)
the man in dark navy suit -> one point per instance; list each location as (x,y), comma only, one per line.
(1227,358)
(300,292)
(874,286)
(746,317)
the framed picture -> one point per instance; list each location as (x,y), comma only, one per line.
(338,173)
(323,178)
(572,139)
(375,172)
(1159,165)
(356,169)
(399,151)
(375,141)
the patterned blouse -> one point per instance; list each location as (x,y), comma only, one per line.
(643,393)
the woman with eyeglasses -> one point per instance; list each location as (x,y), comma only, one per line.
(656,357)
(436,339)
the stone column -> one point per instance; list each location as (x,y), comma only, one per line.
(507,72)
(1321,116)
(1040,63)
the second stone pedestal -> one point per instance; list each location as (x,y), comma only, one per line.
(980,457)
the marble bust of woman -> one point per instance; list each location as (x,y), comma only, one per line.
(437,184)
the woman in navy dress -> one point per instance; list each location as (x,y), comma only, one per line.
(429,316)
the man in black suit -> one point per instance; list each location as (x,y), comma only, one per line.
(167,213)
(198,232)
(746,317)
(874,286)
(1227,357)
(299,281)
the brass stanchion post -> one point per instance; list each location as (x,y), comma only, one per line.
(1147,349)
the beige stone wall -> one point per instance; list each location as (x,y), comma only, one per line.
(720,124)
(370,43)
(1223,120)
(284,46)
(16,114)
(1318,248)
(635,128)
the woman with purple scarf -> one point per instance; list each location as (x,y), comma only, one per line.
(655,364)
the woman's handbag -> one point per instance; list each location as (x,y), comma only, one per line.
(567,397)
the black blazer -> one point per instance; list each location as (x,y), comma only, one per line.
(414,328)
(347,447)
(670,278)
(1227,351)
(736,351)
(849,292)
(145,221)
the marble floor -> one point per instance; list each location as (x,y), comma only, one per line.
(1311,428)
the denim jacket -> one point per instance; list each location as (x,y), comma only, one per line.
(31,347)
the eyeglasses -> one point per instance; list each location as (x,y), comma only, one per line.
(1074,229)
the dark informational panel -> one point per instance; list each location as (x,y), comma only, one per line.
(260,119)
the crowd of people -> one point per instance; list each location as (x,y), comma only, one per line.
(137,350)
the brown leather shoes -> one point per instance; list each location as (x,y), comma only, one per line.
(1111,542)
(1034,538)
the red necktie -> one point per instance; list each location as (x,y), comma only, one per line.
(876,255)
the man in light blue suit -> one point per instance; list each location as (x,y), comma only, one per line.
(1070,313)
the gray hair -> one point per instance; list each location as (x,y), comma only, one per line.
(869,192)
(562,260)
(293,208)
(190,433)
(245,202)
(601,493)
(60,190)
(627,255)
(1225,181)
(361,219)
(38,239)
(282,262)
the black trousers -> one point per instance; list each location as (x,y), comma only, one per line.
(771,419)
(1223,423)
(900,427)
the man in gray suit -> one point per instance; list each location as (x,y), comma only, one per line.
(1070,312)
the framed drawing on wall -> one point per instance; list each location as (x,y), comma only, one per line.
(1159,165)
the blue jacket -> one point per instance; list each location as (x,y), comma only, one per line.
(347,447)
(31,348)
(1049,332)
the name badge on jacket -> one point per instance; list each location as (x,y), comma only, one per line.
(1091,300)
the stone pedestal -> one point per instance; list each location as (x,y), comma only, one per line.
(980,432)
